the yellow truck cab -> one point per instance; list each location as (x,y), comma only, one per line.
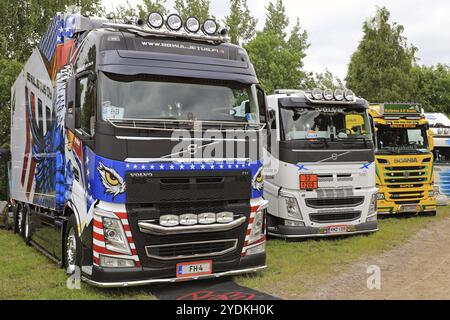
(404,159)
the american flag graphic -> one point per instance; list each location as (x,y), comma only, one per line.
(58,30)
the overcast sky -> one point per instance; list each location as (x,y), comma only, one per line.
(335,26)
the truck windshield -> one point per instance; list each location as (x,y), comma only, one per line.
(325,123)
(400,140)
(125,97)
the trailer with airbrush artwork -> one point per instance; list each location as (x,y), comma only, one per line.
(111,122)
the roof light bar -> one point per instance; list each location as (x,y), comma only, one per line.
(328,94)
(210,27)
(339,94)
(155,20)
(349,95)
(317,94)
(174,22)
(192,25)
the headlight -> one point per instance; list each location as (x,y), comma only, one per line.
(328,94)
(431,193)
(188,219)
(192,25)
(115,237)
(317,94)
(292,208)
(210,27)
(155,20)
(257,230)
(174,22)
(169,221)
(260,248)
(110,262)
(225,217)
(380,196)
(373,204)
(339,94)
(207,218)
(349,95)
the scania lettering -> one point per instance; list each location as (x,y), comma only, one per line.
(404,159)
(121,161)
(320,177)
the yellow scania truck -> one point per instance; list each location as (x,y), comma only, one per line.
(404,159)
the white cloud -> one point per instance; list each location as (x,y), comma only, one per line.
(335,26)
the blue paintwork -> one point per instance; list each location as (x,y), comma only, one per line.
(96,190)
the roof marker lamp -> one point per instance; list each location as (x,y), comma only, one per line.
(174,22)
(155,20)
(339,94)
(192,25)
(210,27)
(317,94)
(328,94)
(349,95)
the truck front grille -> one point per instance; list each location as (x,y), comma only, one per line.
(343,216)
(199,249)
(334,202)
(407,195)
(395,176)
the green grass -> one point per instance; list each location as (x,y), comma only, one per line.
(25,273)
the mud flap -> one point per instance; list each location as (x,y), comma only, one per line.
(216,289)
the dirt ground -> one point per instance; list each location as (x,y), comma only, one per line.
(419,269)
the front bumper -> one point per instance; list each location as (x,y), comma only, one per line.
(131,277)
(282,231)
(390,207)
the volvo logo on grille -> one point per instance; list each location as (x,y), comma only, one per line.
(141,174)
(406,174)
(334,156)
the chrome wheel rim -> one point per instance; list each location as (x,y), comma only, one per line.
(71,251)
(27,226)
(20,221)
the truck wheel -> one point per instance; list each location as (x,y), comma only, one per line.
(19,220)
(72,247)
(27,225)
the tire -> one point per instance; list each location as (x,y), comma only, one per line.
(27,231)
(19,221)
(72,247)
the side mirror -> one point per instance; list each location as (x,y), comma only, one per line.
(70,103)
(272,116)
(262,105)
(430,140)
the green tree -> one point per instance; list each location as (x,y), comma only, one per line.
(278,60)
(196,8)
(324,80)
(381,69)
(433,87)
(240,23)
(27,20)
(9,70)
(150,6)
(276,19)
